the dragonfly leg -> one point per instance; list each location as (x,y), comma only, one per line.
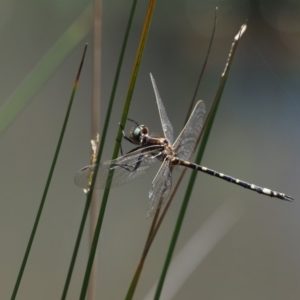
(121,149)
(131,168)
(127,138)
(133,121)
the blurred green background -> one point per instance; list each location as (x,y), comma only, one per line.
(234,244)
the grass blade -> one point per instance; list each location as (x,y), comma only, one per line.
(189,189)
(37,219)
(117,146)
(156,222)
(100,150)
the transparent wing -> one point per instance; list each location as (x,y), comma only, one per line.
(126,168)
(185,143)
(161,187)
(166,124)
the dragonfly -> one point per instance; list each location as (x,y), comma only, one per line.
(151,149)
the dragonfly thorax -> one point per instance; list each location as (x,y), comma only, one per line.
(138,133)
(164,148)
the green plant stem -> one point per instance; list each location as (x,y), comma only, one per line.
(116,148)
(189,189)
(157,222)
(37,219)
(100,150)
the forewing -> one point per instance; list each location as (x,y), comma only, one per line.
(165,122)
(126,168)
(184,145)
(161,187)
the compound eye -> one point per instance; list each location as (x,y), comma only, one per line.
(135,134)
(144,130)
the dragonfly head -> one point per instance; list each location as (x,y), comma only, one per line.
(137,133)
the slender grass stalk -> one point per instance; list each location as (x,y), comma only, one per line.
(92,289)
(37,219)
(100,150)
(156,222)
(137,62)
(194,98)
(189,189)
